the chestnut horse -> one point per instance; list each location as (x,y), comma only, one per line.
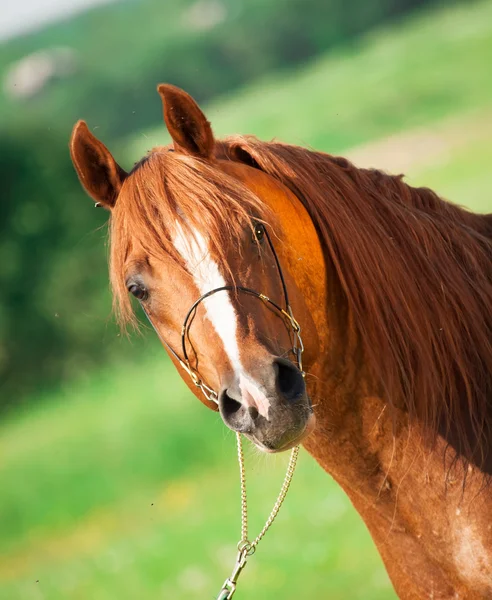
(393,289)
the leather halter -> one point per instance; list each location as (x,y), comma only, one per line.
(285,313)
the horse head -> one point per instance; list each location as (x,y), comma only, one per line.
(226,264)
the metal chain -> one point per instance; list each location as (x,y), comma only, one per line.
(244,500)
(245,547)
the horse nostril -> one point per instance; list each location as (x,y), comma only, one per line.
(236,415)
(253,412)
(228,406)
(290,381)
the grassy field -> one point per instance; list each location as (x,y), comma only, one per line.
(430,66)
(126,488)
(122,485)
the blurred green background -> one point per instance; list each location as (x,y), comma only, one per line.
(114,481)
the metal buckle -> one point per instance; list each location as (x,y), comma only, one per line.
(229,586)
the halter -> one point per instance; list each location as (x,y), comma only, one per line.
(285,313)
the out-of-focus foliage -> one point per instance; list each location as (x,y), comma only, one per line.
(398,77)
(52,270)
(205,46)
(54,303)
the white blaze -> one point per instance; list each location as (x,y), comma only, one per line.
(253,395)
(220,311)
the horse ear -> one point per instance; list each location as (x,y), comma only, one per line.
(99,174)
(188,126)
(240,154)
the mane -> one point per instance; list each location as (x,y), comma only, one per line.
(166,188)
(414,270)
(416,273)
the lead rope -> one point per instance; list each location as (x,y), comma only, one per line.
(245,547)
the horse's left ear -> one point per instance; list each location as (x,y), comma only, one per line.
(188,126)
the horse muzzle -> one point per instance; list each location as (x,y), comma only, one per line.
(269,405)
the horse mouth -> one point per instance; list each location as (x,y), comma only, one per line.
(272,447)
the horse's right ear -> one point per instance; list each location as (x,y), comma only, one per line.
(100,175)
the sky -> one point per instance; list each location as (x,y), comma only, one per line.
(19,16)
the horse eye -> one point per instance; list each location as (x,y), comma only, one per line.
(259,232)
(138,291)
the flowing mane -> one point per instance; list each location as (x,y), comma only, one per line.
(416,272)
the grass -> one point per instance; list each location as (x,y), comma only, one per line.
(464,176)
(397,78)
(123,486)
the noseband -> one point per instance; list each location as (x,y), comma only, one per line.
(285,313)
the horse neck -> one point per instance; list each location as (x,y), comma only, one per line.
(422,519)
(424,510)
(358,430)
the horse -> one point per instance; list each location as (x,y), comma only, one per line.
(392,287)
